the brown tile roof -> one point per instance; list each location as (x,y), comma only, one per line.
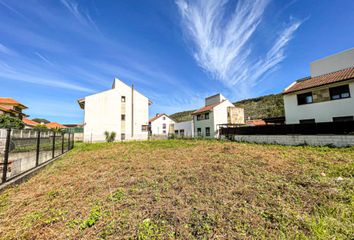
(328,78)
(29,122)
(206,108)
(156,117)
(255,122)
(10,101)
(54,125)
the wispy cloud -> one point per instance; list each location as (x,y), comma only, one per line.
(6,50)
(82,16)
(223,43)
(46,60)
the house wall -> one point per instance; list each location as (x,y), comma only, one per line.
(204,123)
(103,113)
(333,63)
(187,126)
(157,126)
(320,111)
(214,99)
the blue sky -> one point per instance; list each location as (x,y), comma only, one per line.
(175,52)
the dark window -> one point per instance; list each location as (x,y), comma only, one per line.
(164,131)
(343,119)
(305,121)
(123,99)
(123,117)
(176,131)
(207,131)
(206,116)
(339,92)
(122,136)
(199,117)
(181,132)
(163,118)
(304,98)
(164,126)
(199,131)
(144,128)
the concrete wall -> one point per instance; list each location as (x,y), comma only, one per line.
(313,140)
(157,125)
(321,111)
(214,99)
(187,126)
(333,63)
(103,113)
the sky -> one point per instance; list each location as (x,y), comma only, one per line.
(175,52)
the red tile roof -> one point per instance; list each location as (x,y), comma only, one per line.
(333,77)
(255,122)
(5,109)
(29,122)
(54,125)
(206,108)
(156,117)
(10,101)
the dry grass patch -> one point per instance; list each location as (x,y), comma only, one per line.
(186,190)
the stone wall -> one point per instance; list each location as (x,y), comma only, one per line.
(295,140)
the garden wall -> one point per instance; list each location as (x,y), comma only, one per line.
(295,140)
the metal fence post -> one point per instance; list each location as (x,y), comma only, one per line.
(38,144)
(53,145)
(6,155)
(62,143)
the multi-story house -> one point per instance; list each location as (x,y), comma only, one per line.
(12,107)
(184,129)
(217,110)
(122,110)
(325,96)
(161,124)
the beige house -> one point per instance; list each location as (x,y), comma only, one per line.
(326,95)
(217,110)
(11,107)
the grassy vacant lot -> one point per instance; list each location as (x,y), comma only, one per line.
(186,190)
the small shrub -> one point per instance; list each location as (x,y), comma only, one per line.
(95,215)
(117,196)
(110,136)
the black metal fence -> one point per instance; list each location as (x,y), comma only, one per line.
(24,150)
(289,129)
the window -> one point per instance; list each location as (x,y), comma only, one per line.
(144,128)
(206,115)
(164,126)
(207,131)
(181,132)
(199,131)
(123,117)
(339,92)
(304,98)
(343,119)
(163,118)
(164,131)
(123,98)
(199,117)
(122,136)
(176,131)
(306,121)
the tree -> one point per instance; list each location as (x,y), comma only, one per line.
(41,120)
(110,137)
(10,122)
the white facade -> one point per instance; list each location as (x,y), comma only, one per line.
(206,122)
(184,129)
(121,110)
(161,124)
(333,63)
(321,111)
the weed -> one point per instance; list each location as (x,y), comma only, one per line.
(95,214)
(117,195)
(201,224)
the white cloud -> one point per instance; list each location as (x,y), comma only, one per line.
(44,58)
(223,43)
(6,50)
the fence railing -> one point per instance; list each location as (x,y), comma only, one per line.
(24,150)
(288,129)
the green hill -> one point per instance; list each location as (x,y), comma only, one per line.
(260,107)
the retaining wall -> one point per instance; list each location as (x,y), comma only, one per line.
(295,140)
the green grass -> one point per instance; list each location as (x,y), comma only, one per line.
(186,189)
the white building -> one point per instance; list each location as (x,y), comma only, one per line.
(217,110)
(161,124)
(122,110)
(184,129)
(326,95)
